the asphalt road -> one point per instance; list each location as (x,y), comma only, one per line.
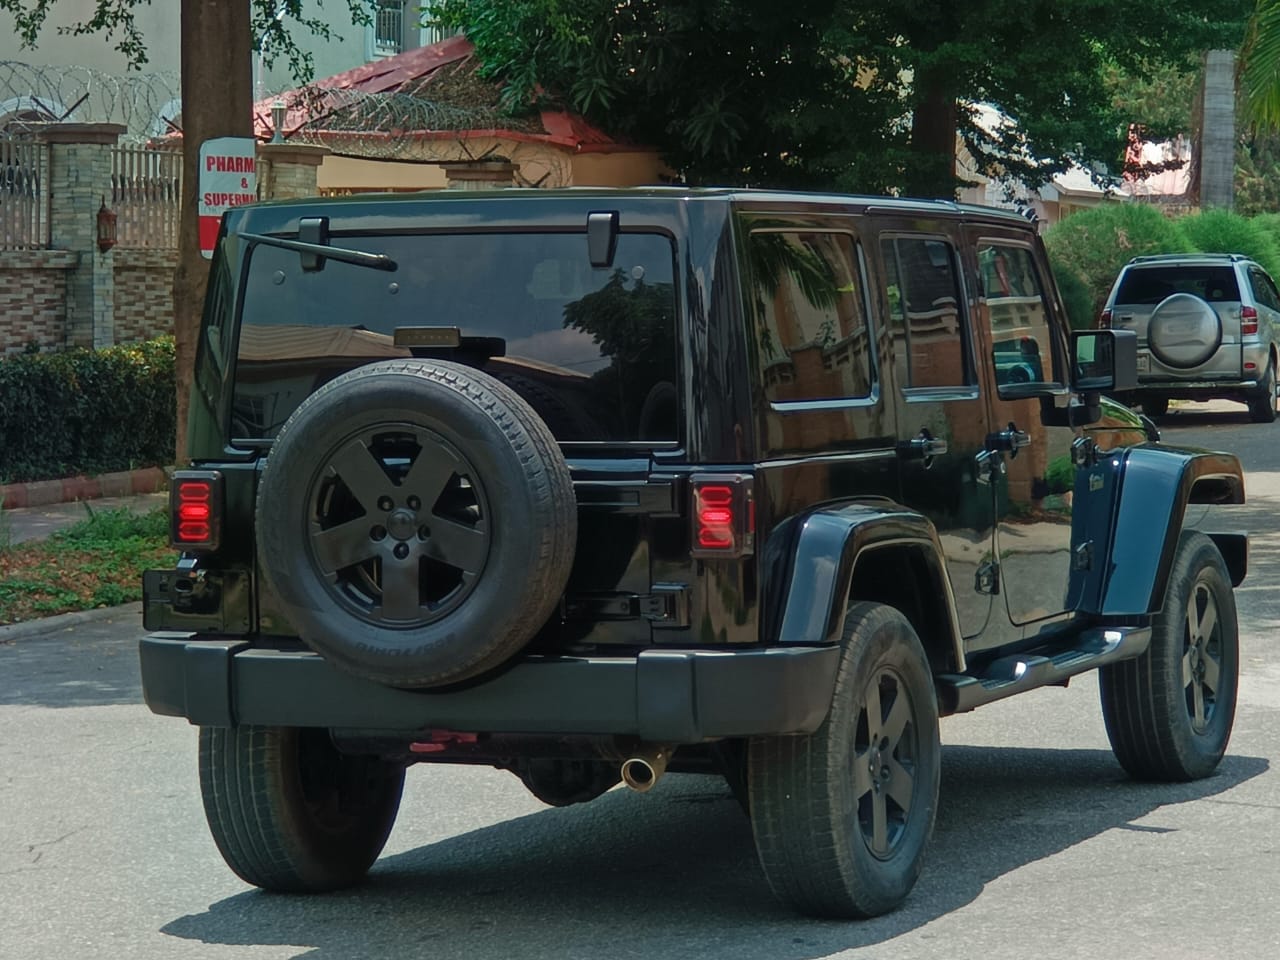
(1042,848)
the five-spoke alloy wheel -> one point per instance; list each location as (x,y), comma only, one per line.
(416,522)
(1169,712)
(842,816)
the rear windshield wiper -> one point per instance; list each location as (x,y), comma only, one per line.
(358,258)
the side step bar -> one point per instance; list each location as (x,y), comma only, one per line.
(961,692)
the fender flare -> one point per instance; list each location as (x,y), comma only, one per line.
(824,547)
(1155,485)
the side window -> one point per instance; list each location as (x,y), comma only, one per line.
(1263,289)
(924,313)
(1022,345)
(811,327)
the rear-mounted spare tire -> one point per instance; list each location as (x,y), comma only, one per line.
(1184,331)
(416,522)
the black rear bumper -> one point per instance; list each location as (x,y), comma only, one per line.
(670,696)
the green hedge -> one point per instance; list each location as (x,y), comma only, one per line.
(86,411)
(1221,231)
(1095,244)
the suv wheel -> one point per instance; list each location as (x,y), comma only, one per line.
(416,522)
(1155,407)
(1169,712)
(1262,405)
(842,816)
(289,812)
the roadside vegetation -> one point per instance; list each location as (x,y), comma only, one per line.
(98,562)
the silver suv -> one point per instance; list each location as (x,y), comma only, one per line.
(1207,327)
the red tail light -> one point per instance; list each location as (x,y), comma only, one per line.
(195,509)
(1248,321)
(1104,320)
(723,516)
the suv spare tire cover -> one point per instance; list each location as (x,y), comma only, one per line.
(415,522)
(1184,331)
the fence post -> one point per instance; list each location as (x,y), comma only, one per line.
(287,170)
(79,181)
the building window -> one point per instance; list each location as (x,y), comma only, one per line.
(388,28)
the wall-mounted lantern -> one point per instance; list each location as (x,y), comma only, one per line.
(106,227)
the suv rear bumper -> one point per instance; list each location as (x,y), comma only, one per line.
(670,696)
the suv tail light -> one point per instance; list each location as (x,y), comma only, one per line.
(195,509)
(1104,320)
(1248,321)
(724,515)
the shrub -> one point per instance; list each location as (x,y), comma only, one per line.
(1095,244)
(1221,231)
(1269,223)
(1060,477)
(86,411)
(1075,296)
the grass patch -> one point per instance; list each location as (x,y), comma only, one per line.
(98,562)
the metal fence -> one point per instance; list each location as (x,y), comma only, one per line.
(146,195)
(24,196)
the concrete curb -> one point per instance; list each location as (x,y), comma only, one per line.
(30,629)
(40,493)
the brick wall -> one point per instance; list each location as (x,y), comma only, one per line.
(33,299)
(143,293)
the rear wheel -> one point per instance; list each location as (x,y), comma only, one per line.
(1155,407)
(1262,405)
(289,812)
(842,816)
(1169,712)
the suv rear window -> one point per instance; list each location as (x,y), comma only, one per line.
(593,350)
(1150,285)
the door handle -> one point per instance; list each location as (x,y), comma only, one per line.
(1010,440)
(923,446)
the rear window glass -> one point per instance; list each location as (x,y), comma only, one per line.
(1150,285)
(593,350)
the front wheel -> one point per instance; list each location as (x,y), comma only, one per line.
(842,816)
(289,812)
(1169,712)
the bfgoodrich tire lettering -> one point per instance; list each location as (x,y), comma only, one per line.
(1169,712)
(416,521)
(290,813)
(842,817)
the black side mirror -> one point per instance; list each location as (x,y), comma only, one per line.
(1105,361)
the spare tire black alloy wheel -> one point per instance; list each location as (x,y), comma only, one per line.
(415,522)
(399,525)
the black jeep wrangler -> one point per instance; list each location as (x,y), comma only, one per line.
(595,485)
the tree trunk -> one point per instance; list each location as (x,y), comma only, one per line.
(933,143)
(217,101)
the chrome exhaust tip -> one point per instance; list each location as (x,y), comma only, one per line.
(642,771)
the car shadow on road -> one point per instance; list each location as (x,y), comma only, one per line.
(674,872)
